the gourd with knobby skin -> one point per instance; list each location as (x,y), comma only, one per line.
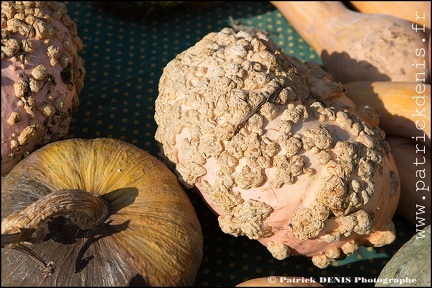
(97,212)
(403,107)
(42,76)
(276,148)
(404,110)
(355,46)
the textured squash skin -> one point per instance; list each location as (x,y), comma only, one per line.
(153,236)
(260,175)
(40,93)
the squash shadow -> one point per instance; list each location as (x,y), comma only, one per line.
(138,281)
(63,231)
(344,69)
(120,198)
(117,200)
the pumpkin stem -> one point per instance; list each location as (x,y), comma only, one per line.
(83,209)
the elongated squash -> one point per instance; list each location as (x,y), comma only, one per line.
(429,54)
(413,161)
(355,46)
(404,107)
(413,11)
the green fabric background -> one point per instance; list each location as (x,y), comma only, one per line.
(124,58)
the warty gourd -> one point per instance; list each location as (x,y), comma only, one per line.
(42,76)
(275,148)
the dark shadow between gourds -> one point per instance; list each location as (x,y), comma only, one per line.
(343,68)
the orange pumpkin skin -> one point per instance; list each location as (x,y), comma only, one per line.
(152,237)
(415,180)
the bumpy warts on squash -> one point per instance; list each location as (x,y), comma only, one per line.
(42,75)
(276,148)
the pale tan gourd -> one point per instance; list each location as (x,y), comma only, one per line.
(403,107)
(355,46)
(413,11)
(414,203)
(429,53)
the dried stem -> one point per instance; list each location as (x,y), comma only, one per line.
(82,208)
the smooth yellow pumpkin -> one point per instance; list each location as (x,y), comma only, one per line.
(148,236)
